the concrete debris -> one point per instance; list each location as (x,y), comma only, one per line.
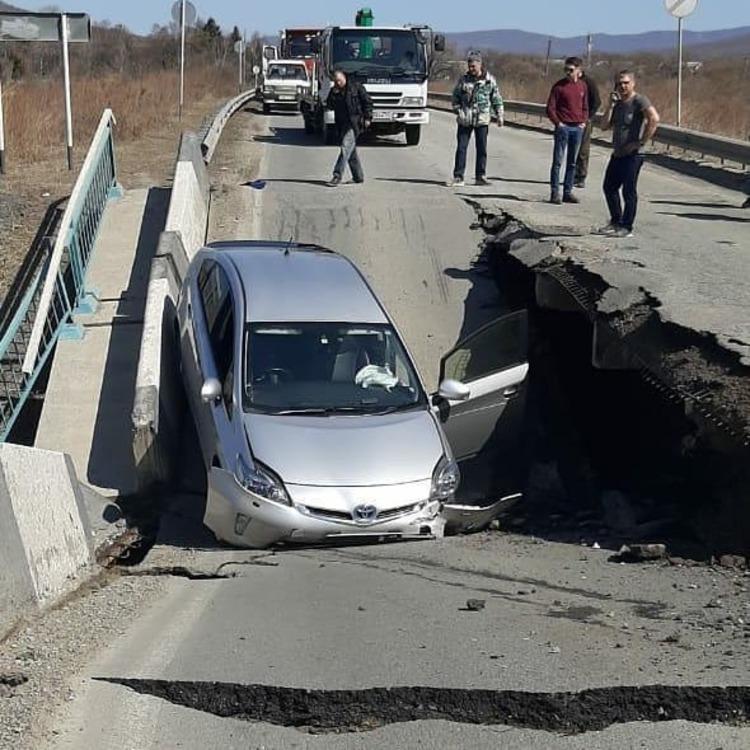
(733,561)
(637,553)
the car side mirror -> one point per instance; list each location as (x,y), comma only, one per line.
(211,391)
(453,390)
(439,43)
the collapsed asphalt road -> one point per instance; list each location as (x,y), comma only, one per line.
(319,624)
(364,710)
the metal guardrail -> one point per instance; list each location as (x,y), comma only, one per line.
(210,139)
(56,289)
(720,147)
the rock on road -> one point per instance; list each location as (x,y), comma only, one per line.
(555,617)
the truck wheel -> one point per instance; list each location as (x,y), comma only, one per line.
(413,133)
(266,109)
(309,125)
(330,135)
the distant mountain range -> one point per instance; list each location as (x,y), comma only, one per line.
(512,41)
(9,8)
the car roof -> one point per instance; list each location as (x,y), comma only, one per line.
(290,282)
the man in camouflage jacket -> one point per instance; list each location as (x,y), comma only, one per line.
(476,97)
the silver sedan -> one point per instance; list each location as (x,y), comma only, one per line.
(313,422)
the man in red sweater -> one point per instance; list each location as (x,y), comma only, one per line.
(568,109)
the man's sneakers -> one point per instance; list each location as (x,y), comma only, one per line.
(556,199)
(482,181)
(335,181)
(609,230)
(580,184)
(616,231)
(622,233)
(456,182)
(570,198)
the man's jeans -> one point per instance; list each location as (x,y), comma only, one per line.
(567,137)
(349,156)
(582,162)
(462,145)
(622,173)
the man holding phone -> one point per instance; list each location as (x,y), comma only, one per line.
(634,121)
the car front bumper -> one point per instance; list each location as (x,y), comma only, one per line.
(248,520)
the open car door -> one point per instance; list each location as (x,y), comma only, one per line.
(484,428)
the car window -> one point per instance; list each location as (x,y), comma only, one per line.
(288,72)
(218,307)
(328,366)
(493,348)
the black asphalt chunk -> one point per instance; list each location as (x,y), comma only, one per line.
(340,711)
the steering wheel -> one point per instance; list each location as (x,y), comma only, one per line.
(275,375)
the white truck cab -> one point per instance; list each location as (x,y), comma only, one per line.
(285,84)
(393,64)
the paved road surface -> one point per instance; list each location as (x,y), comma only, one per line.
(557,616)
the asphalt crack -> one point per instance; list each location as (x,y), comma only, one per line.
(344,711)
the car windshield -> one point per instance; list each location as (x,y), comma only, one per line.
(288,72)
(327,368)
(378,52)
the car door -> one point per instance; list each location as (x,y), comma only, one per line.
(493,363)
(215,339)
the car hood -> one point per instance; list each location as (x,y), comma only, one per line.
(351,451)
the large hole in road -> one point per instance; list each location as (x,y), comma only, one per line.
(620,455)
(340,711)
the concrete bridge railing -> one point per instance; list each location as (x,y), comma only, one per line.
(158,405)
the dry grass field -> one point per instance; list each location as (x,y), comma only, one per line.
(34,109)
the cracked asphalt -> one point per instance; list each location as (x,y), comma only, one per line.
(553,618)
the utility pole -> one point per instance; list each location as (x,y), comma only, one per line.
(549,52)
(182,59)
(589,49)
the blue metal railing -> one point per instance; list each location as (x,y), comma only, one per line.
(54,293)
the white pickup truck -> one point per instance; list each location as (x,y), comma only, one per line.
(285,84)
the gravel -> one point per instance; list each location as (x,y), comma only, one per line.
(38,660)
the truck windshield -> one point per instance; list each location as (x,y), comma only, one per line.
(313,368)
(391,52)
(288,72)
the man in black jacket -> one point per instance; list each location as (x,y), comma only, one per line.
(352,108)
(582,162)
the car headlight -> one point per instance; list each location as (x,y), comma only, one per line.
(299,89)
(412,101)
(445,479)
(260,480)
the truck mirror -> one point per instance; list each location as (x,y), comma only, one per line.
(439,43)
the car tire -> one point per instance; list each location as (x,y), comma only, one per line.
(266,109)
(413,134)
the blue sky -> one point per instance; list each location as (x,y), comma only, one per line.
(558,17)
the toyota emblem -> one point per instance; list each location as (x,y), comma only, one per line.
(364,513)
